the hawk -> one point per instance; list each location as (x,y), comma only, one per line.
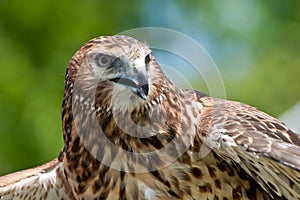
(130,133)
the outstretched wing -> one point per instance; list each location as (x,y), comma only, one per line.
(36,183)
(263,146)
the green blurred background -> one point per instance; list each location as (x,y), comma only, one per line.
(255,44)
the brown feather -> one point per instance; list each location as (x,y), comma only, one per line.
(163,143)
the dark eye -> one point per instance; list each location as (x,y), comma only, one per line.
(147,59)
(104,60)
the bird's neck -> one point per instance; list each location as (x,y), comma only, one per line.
(146,139)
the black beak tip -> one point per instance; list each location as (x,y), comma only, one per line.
(145,88)
(142,91)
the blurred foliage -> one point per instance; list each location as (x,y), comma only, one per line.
(255,44)
(37,40)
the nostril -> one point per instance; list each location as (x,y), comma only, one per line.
(142,78)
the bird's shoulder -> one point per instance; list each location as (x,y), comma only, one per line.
(264,147)
(21,175)
(42,181)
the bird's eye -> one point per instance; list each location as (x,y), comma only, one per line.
(103,60)
(147,59)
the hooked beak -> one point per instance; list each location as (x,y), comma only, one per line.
(138,85)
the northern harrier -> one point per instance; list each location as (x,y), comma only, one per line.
(131,133)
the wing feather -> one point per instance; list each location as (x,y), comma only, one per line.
(263,146)
(37,183)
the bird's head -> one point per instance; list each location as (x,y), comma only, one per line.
(116,71)
(111,80)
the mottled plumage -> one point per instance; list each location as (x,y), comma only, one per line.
(131,133)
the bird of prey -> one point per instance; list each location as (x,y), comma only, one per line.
(131,133)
